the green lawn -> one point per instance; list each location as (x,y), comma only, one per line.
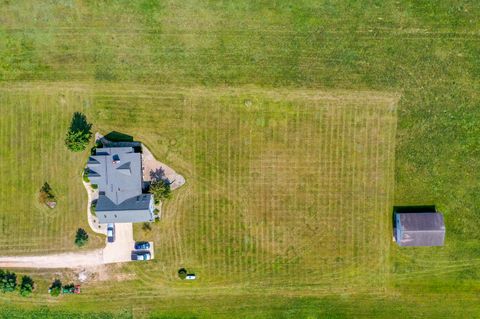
(355,107)
(32,130)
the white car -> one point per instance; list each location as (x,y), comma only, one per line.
(190,277)
(141,256)
(111,233)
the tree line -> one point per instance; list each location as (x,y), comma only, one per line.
(8,283)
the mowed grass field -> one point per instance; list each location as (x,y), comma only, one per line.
(286,189)
(32,129)
(282,117)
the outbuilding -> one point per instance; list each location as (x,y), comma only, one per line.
(419,228)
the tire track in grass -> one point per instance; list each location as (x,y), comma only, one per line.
(388,174)
(236,231)
(378,219)
(342,178)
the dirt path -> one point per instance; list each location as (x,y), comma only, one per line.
(117,252)
(64,260)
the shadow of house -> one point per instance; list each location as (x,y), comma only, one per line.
(117,139)
(411,209)
(115,136)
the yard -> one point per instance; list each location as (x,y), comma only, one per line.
(297,127)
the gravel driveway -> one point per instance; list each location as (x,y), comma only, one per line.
(64,260)
(121,249)
(118,251)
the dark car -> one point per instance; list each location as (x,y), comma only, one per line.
(142,245)
(111,233)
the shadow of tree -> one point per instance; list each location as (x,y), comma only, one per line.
(159,174)
(79,123)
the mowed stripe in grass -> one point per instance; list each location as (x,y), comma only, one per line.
(287,188)
(32,129)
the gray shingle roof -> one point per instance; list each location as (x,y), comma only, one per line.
(133,210)
(420,229)
(118,173)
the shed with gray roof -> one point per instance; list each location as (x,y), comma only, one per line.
(118,173)
(419,229)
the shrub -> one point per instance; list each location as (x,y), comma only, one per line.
(182,273)
(94,186)
(55,288)
(77,141)
(85,176)
(46,194)
(8,281)
(79,134)
(147,227)
(26,286)
(160,189)
(93,208)
(81,238)
(46,188)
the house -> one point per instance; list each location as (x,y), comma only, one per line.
(118,173)
(424,228)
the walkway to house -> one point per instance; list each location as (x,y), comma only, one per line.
(93,220)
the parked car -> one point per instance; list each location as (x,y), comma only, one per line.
(142,245)
(111,233)
(190,277)
(141,256)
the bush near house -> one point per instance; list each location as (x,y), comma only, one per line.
(146,227)
(93,208)
(85,175)
(77,141)
(81,238)
(79,134)
(160,189)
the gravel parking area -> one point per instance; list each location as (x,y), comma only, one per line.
(119,251)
